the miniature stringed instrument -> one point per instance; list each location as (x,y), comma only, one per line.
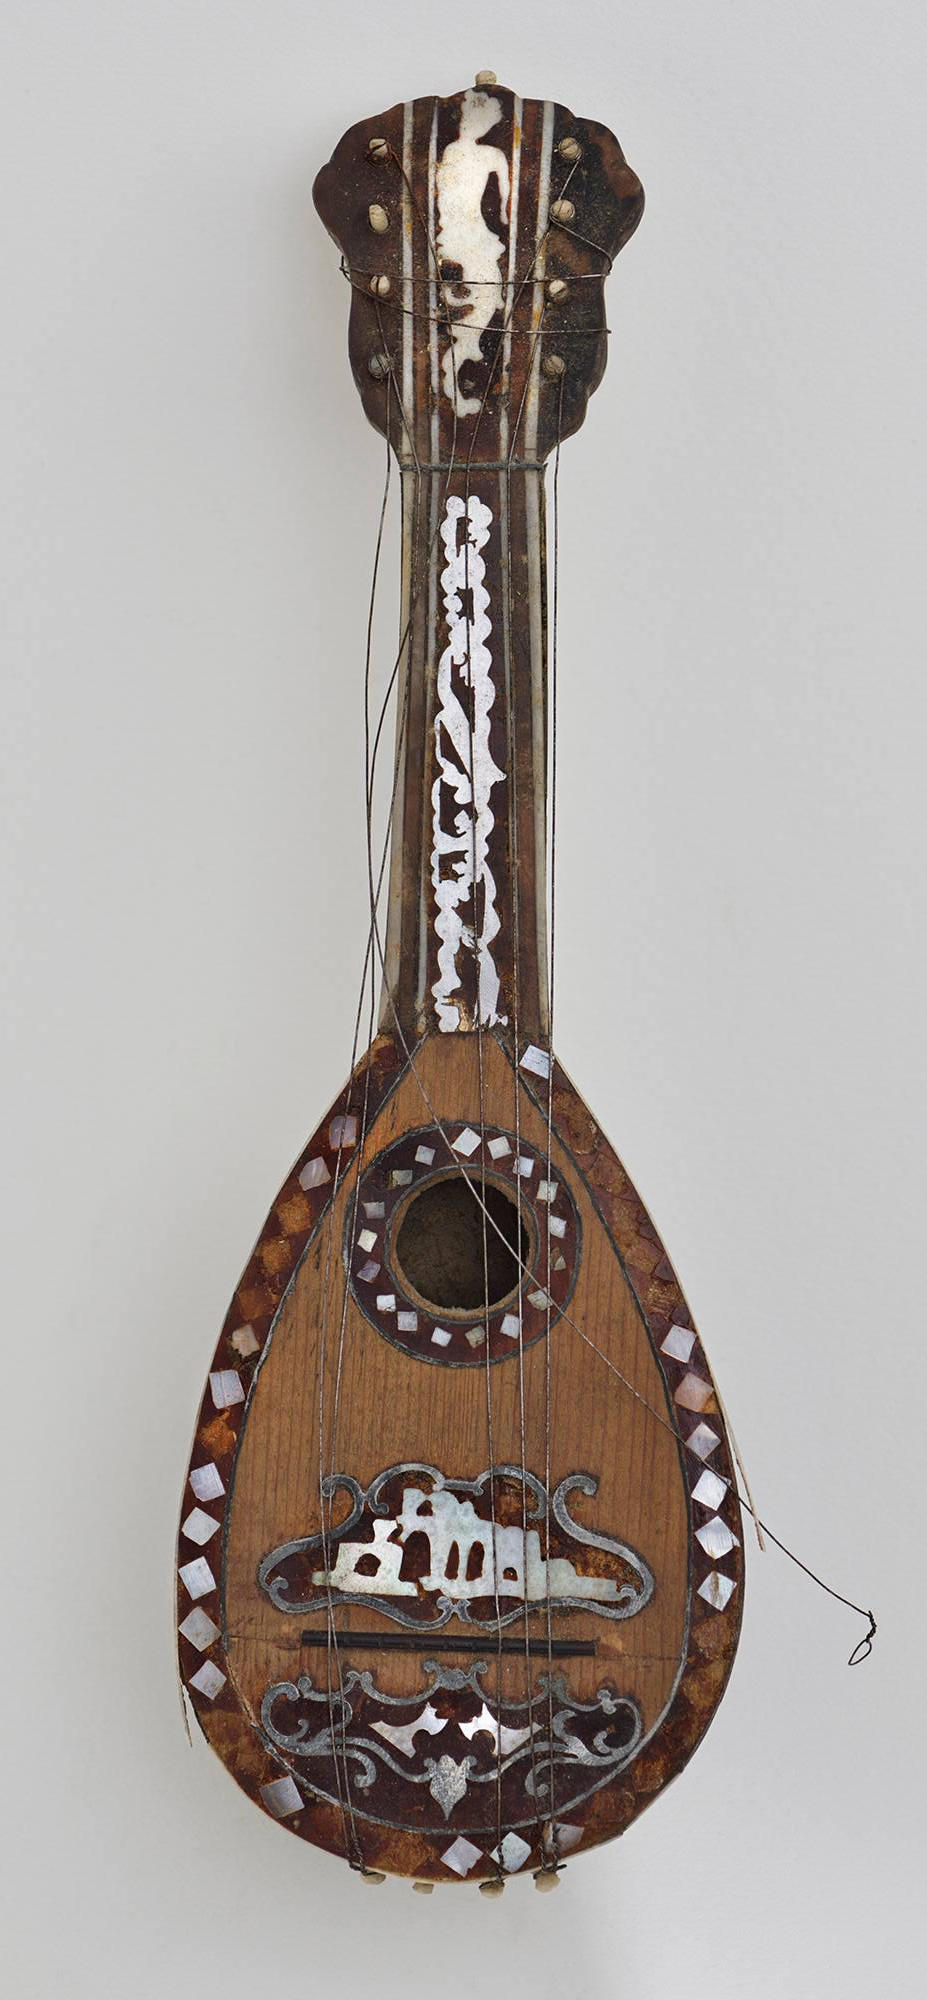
(460,1577)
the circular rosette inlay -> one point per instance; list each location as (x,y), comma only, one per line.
(449,1219)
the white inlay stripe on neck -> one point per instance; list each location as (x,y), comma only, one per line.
(462,818)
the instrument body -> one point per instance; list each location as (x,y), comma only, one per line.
(460,1580)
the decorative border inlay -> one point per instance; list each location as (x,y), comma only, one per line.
(458,1339)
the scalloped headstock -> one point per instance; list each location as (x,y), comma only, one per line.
(477,232)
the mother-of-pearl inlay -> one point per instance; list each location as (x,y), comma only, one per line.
(462,177)
(465,691)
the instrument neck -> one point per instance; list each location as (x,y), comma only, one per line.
(466,929)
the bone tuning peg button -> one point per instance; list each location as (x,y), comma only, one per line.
(557,289)
(372,1875)
(553,366)
(378,366)
(424,1888)
(562,211)
(492,1887)
(569,149)
(485,78)
(546,1878)
(378,149)
(380,285)
(378,218)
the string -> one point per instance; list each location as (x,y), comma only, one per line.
(515,875)
(359,1154)
(353,1850)
(550,1094)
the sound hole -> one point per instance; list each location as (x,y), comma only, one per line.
(439,1245)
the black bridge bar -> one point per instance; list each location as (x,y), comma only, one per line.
(444,1642)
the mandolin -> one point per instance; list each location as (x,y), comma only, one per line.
(460,1569)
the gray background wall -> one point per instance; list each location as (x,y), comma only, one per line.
(190,495)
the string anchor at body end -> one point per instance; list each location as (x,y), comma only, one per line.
(494,1886)
(371,1875)
(547,1878)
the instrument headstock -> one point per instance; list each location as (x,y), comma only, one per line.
(477,232)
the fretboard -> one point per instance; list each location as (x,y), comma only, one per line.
(466,926)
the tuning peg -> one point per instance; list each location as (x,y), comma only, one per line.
(485,79)
(562,211)
(570,149)
(378,149)
(378,217)
(557,289)
(553,366)
(380,285)
(379,366)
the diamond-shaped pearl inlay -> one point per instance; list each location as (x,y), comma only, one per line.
(703,1441)
(716,1537)
(425,1155)
(407,1322)
(537,1060)
(499,1147)
(314,1174)
(369,1270)
(512,1851)
(206,1483)
(208,1680)
(547,1190)
(282,1797)
(693,1393)
(366,1239)
(710,1488)
(245,1342)
(461,1856)
(198,1577)
(386,1302)
(440,1338)
(467,1142)
(225,1387)
(343,1131)
(199,1628)
(509,1325)
(716,1589)
(199,1527)
(678,1344)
